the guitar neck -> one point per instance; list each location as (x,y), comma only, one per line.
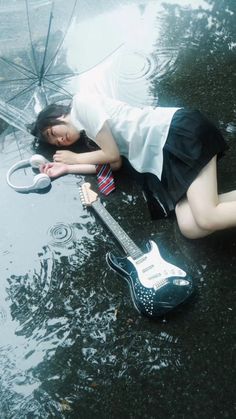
(128,245)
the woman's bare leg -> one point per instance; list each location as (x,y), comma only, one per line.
(204,211)
(187,223)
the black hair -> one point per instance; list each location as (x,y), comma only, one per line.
(48,117)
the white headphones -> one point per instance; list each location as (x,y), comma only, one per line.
(40,181)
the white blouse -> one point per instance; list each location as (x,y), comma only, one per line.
(140,133)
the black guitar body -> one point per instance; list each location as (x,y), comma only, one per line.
(148,301)
(156,286)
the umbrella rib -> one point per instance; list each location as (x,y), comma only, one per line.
(62,41)
(30,36)
(15,80)
(42,71)
(27,89)
(103,59)
(61,76)
(68,75)
(58,87)
(19,68)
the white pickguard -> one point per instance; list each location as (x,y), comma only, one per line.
(153,271)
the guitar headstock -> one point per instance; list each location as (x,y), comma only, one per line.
(87,196)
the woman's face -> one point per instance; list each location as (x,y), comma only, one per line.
(62,135)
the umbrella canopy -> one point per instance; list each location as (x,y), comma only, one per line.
(38,39)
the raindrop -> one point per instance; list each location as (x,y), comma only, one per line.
(231,128)
(3,315)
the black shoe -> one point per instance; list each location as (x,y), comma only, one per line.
(158,201)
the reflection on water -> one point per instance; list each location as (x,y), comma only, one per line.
(71,343)
(126,74)
(67,307)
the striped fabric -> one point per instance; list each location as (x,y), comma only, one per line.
(105,178)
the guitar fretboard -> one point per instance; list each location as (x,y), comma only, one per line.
(125,241)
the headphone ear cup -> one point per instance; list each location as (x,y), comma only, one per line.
(36,160)
(41,181)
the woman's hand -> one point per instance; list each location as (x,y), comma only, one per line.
(65,156)
(54,170)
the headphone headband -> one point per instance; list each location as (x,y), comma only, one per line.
(40,181)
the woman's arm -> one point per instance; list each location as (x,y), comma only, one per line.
(108,153)
(54,170)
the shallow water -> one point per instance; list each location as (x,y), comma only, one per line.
(72,345)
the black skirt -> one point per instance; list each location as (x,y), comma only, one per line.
(191,143)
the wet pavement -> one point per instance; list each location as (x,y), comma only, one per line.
(72,345)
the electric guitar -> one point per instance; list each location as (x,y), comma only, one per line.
(156,286)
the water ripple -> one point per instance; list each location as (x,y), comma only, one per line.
(61,234)
(139,64)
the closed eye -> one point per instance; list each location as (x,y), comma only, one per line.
(52,137)
(50,133)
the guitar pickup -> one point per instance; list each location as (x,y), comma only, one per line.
(147,268)
(141,260)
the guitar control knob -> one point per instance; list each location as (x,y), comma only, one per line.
(181,282)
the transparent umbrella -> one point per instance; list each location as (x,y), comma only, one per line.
(41,54)
(50,49)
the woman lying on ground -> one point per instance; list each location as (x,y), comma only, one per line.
(176,148)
